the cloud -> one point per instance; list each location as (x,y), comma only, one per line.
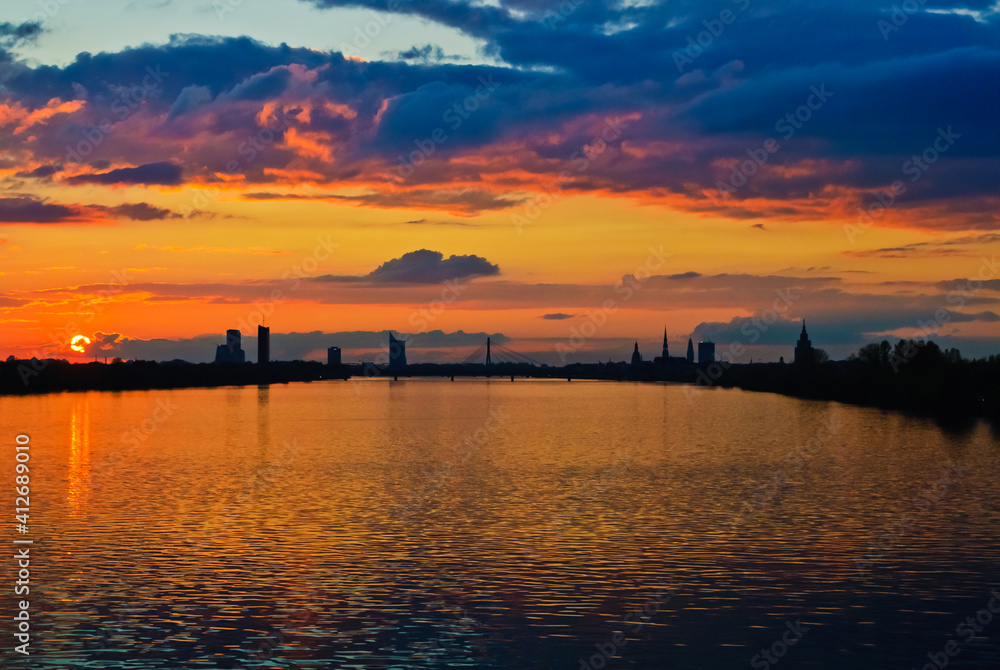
(14,34)
(140,211)
(189,99)
(163,173)
(105,341)
(965,245)
(41,172)
(28,209)
(423,267)
(426,53)
(685,127)
(965,287)
(557,316)
(265,251)
(462,202)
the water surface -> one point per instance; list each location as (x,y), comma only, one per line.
(534,524)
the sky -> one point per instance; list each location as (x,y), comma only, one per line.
(568,176)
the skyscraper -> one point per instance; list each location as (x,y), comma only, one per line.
(333,356)
(397,354)
(706,352)
(232,350)
(263,345)
(690,354)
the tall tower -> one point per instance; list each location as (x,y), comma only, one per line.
(706,352)
(333,356)
(397,354)
(636,356)
(690,354)
(231,351)
(803,348)
(234,341)
(666,354)
(263,345)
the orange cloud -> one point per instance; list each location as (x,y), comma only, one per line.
(310,144)
(29,119)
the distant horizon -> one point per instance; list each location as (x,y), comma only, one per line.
(369,345)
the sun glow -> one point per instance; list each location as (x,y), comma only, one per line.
(79,343)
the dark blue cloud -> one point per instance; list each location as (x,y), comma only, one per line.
(164,173)
(42,172)
(712,79)
(423,267)
(12,34)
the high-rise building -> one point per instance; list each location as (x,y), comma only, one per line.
(232,350)
(803,348)
(690,353)
(333,356)
(636,356)
(263,345)
(706,352)
(397,354)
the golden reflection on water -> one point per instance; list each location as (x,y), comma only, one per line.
(78,490)
(479,524)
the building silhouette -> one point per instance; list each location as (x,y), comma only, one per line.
(690,353)
(397,354)
(333,356)
(803,348)
(263,345)
(636,356)
(706,352)
(671,368)
(232,350)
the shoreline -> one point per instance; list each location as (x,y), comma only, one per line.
(962,392)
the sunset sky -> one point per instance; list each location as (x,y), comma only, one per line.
(173,168)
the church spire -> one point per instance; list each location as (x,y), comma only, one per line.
(665,352)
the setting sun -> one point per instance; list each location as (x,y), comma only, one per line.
(79,343)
